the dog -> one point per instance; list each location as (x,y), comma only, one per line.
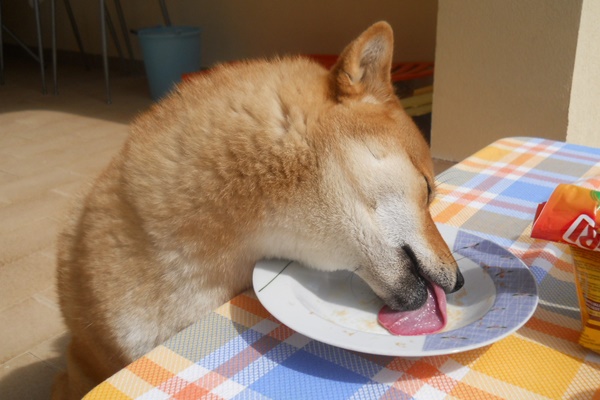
(260,159)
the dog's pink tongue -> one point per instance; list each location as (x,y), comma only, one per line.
(430,318)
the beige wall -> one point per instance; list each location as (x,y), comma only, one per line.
(249,28)
(584,109)
(503,68)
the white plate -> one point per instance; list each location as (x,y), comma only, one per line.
(499,296)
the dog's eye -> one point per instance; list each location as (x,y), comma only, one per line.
(429,191)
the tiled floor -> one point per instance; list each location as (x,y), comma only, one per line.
(50,149)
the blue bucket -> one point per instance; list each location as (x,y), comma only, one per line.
(169,52)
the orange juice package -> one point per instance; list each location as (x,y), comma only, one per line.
(572,216)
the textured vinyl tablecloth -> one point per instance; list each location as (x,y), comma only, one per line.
(240,351)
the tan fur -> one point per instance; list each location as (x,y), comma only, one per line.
(259,159)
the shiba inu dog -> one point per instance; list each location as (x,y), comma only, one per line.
(278,158)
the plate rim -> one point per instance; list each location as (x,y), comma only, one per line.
(357,335)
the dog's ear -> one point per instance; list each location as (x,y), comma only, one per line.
(363,68)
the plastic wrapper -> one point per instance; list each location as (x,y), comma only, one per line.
(572,215)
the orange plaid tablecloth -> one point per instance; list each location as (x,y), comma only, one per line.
(240,351)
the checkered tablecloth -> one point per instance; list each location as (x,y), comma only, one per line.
(240,351)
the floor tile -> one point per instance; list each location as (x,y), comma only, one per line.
(26,325)
(48,296)
(26,378)
(23,211)
(20,188)
(23,278)
(52,351)
(28,238)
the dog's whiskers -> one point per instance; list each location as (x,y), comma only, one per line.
(440,179)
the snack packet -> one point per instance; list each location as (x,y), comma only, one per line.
(572,216)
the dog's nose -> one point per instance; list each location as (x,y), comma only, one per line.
(460,282)
(410,301)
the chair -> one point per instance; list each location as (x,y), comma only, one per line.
(37,57)
(106,22)
(40,56)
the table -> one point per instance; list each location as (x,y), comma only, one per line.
(240,351)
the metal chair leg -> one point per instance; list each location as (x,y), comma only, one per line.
(54,66)
(1,49)
(105,20)
(36,7)
(75,30)
(165,12)
(105,50)
(21,43)
(125,32)
(113,34)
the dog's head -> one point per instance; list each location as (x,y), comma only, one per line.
(369,212)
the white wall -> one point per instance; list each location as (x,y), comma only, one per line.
(236,29)
(503,68)
(584,109)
